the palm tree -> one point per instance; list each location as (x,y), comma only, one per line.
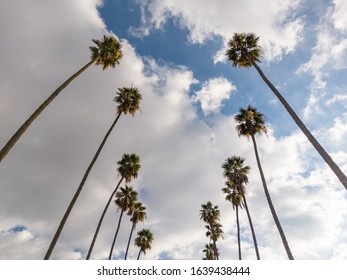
(234,195)
(128,168)
(236,173)
(128,100)
(138,215)
(244,52)
(125,200)
(107,53)
(144,241)
(209,252)
(250,122)
(210,214)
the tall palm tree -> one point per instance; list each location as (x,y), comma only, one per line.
(125,200)
(236,173)
(144,241)
(138,215)
(234,195)
(128,100)
(251,122)
(245,52)
(128,168)
(210,214)
(106,53)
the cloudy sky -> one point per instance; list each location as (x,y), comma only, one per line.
(174,54)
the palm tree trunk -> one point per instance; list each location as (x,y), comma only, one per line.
(131,233)
(115,236)
(251,226)
(272,208)
(80,187)
(138,256)
(38,111)
(101,219)
(238,231)
(326,157)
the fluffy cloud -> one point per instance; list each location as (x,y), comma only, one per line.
(338,17)
(278,27)
(328,56)
(213,93)
(181,155)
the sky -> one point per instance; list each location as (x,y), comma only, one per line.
(173,52)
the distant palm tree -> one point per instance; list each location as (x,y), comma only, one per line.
(234,195)
(144,241)
(125,200)
(209,252)
(138,215)
(236,174)
(251,122)
(107,53)
(128,100)
(210,214)
(128,168)
(245,52)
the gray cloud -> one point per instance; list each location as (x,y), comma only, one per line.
(181,155)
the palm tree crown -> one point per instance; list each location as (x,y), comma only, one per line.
(234,170)
(209,252)
(107,52)
(209,213)
(242,48)
(126,198)
(128,166)
(128,100)
(250,122)
(234,193)
(144,240)
(138,213)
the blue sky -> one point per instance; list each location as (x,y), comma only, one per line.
(174,54)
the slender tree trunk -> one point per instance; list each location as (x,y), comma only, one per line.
(272,208)
(326,157)
(115,236)
(251,226)
(131,233)
(80,187)
(38,111)
(238,231)
(138,256)
(101,219)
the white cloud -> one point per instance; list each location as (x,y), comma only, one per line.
(213,93)
(339,130)
(181,155)
(328,55)
(278,27)
(339,15)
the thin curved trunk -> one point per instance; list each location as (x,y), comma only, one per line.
(131,233)
(79,189)
(272,208)
(326,157)
(138,256)
(15,137)
(101,219)
(251,226)
(238,231)
(115,236)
